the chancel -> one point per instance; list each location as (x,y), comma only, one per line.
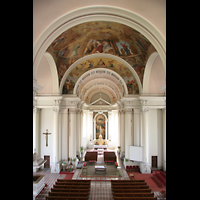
(99,83)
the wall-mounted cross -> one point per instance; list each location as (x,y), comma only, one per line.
(46,137)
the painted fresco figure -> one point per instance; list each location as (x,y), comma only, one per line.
(126,49)
(74,52)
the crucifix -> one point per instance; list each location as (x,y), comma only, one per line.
(46,137)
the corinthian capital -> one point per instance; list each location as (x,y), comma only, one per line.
(144,110)
(72,110)
(128,110)
(56,109)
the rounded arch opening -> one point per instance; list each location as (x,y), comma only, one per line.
(91,13)
(102,55)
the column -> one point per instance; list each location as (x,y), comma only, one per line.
(128,127)
(90,125)
(136,127)
(56,134)
(164,138)
(122,130)
(72,133)
(145,134)
(65,135)
(106,129)
(36,139)
(94,126)
(119,128)
(78,129)
(81,132)
(110,125)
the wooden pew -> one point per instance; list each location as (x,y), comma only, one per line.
(69,194)
(72,183)
(72,186)
(132,190)
(130,187)
(135,198)
(133,194)
(77,181)
(90,156)
(130,183)
(70,190)
(127,181)
(66,198)
(109,156)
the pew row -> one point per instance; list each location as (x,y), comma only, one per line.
(130,187)
(133,194)
(127,181)
(69,194)
(135,198)
(132,190)
(70,190)
(66,198)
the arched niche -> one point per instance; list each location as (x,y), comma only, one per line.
(95,125)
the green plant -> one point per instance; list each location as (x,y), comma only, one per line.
(126,159)
(118,173)
(81,148)
(119,147)
(74,159)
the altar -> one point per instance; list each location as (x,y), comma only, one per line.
(100,143)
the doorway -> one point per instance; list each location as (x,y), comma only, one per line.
(47,164)
(153,161)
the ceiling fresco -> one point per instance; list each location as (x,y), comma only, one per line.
(101,62)
(100,37)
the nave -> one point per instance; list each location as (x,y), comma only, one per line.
(100,186)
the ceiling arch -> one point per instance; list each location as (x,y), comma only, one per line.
(97,13)
(123,69)
(113,78)
(98,89)
(100,81)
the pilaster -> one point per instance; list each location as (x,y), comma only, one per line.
(164,138)
(144,111)
(72,133)
(36,140)
(65,134)
(122,131)
(128,128)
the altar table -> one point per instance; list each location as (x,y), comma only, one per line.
(100,146)
(100,169)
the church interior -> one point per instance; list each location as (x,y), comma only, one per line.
(99,97)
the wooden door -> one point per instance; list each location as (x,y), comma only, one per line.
(47,164)
(154,162)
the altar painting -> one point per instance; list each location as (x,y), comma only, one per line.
(100,126)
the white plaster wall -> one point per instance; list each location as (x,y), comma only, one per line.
(152,134)
(44,77)
(155,138)
(157,76)
(46,122)
(160,137)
